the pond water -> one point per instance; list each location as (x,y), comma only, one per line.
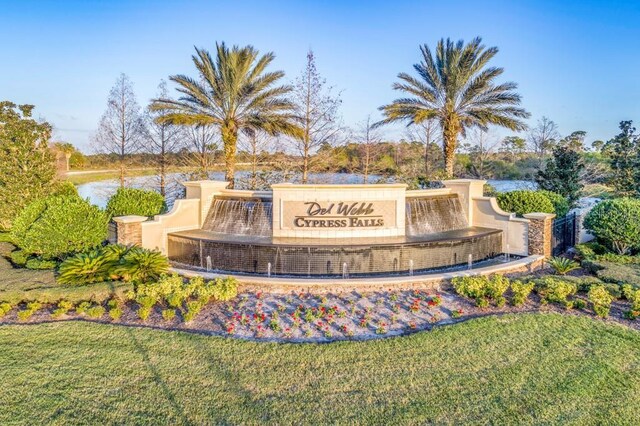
(99,192)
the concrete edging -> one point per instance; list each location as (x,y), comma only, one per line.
(337,285)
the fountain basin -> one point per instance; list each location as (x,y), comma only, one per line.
(344,257)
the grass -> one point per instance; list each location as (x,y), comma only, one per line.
(532,368)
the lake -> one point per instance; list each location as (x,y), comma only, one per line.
(99,192)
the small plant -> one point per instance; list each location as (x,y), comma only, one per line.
(168,314)
(32,308)
(142,265)
(579,304)
(601,300)
(501,301)
(520,292)
(144,312)
(85,268)
(274,325)
(381,328)
(481,288)
(5,308)
(115,313)
(39,264)
(19,257)
(64,306)
(556,290)
(96,311)
(562,265)
(82,307)
(457,313)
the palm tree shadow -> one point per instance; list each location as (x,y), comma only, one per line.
(157,377)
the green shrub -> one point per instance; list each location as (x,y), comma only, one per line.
(556,290)
(85,268)
(560,204)
(481,288)
(64,306)
(142,265)
(489,190)
(590,250)
(83,307)
(19,257)
(32,308)
(5,308)
(168,314)
(39,264)
(601,300)
(5,237)
(525,201)
(520,292)
(562,265)
(115,313)
(579,304)
(96,311)
(616,223)
(54,227)
(65,188)
(130,201)
(144,312)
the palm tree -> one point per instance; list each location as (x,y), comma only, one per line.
(234,93)
(458,91)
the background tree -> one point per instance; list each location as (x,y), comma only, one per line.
(481,147)
(199,153)
(369,139)
(121,129)
(623,152)
(459,90)
(428,134)
(27,168)
(513,147)
(317,109)
(66,149)
(255,145)
(234,92)
(162,139)
(542,138)
(562,173)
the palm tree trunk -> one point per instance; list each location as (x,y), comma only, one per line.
(450,131)
(229,139)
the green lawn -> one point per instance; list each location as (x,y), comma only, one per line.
(534,368)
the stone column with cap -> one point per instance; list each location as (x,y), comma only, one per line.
(540,233)
(129,229)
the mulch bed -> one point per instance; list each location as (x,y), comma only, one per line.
(350,316)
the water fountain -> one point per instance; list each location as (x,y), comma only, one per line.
(246,233)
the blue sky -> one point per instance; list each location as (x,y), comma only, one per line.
(576,62)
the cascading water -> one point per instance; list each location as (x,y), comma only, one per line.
(240,216)
(429,215)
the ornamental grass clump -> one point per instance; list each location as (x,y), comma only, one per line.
(601,300)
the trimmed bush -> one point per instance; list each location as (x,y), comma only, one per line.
(65,188)
(5,237)
(525,201)
(482,288)
(590,250)
(131,201)
(55,227)
(601,300)
(39,264)
(520,292)
(556,290)
(616,224)
(560,204)
(19,257)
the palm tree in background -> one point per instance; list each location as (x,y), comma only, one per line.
(234,93)
(458,90)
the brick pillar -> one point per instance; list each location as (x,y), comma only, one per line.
(129,229)
(540,233)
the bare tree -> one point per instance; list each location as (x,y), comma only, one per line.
(317,109)
(429,135)
(542,137)
(200,153)
(162,139)
(481,146)
(121,127)
(369,139)
(256,145)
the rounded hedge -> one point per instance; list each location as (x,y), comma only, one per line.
(525,201)
(560,204)
(616,224)
(57,226)
(131,201)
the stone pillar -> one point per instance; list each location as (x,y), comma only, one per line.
(129,229)
(540,233)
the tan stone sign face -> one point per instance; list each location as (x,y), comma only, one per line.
(324,215)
